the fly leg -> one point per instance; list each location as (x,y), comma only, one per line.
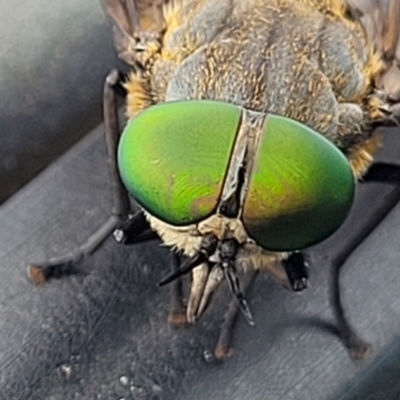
(378,172)
(383,173)
(67,265)
(227,252)
(223,348)
(177,313)
(297,271)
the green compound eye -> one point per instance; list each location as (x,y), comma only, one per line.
(301,188)
(173,158)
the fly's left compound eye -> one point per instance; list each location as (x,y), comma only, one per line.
(173,158)
(301,188)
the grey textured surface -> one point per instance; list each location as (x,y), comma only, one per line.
(104,335)
(54,57)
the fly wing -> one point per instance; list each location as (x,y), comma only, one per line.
(381,21)
(137,25)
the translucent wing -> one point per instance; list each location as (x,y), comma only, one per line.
(138,26)
(381,21)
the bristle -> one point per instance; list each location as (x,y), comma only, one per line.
(374,66)
(335,8)
(375,107)
(361,156)
(139,97)
(174,18)
(171,14)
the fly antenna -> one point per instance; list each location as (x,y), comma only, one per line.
(207,249)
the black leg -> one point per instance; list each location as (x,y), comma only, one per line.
(296,271)
(358,348)
(67,265)
(135,229)
(223,349)
(383,173)
(121,204)
(177,314)
(227,252)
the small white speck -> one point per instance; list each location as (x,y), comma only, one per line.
(66,370)
(208,356)
(124,381)
(136,389)
(157,388)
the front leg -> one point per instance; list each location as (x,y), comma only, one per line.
(112,85)
(297,271)
(67,265)
(177,313)
(223,349)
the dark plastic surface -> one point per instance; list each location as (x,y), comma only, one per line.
(104,335)
(54,57)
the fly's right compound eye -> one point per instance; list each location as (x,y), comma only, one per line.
(301,188)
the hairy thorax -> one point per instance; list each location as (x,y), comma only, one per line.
(298,58)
